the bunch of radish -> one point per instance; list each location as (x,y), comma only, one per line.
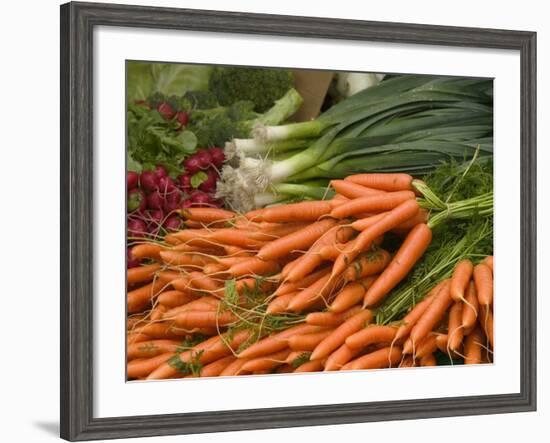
(154,198)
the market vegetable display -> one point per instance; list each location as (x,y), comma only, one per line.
(403,124)
(261,293)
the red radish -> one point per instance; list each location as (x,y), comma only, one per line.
(132,180)
(187,203)
(166,111)
(155,200)
(172,202)
(149,181)
(166,186)
(172,223)
(184,181)
(154,217)
(191,164)
(183,118)
(209,185)
(218,157)
(136,227)
(131,261)
(137,201)
(160,171)
(204,158)
(201,198)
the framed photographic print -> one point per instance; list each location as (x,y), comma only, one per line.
(272,221)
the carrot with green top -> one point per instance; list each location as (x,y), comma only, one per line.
(363,223)
(254,266)
(207,215)
(185,259)
(216,367)
(455,329)
(280,304)
(307,342)
(151,348)
(147,250)
(310,366)
(320,290)
(412,249)
(139,298)
(489,261)
(287,286)
(201,319)
(266,362)
(384,182)
(340,357)
(372,203)
(486,322)
(473,345)
(174,298)
(143,367)
(470,309)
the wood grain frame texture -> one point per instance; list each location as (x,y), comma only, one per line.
(77,24)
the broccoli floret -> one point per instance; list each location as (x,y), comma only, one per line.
(261,86)
(213,127)
(201,99)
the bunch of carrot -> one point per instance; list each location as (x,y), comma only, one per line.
(292,288)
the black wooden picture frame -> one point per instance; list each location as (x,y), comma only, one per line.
(77,218)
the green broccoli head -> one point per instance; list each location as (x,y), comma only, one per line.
(214,127)
(242,110)
(262,86)
(201,99)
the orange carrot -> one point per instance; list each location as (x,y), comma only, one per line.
(201,319)
(151,348)
(428,360)
(420,217)
(395,217)
(413,316)
(473,346)
(339,335)
(254,266)
(432,315)
(471,308)
(233,368)
(143,367)
(298,240)
(455,330)
(384,182)
(382,358)
(277,231)
(370,335)
(141,274)
(266,362)
(139,298)
(441,341)
(486,322)
(207,215)
(206,352)
(185,259)
(426,347)
(352,190)
(136,337)
(303,211)
(407,362)
(363,223)
(328,319)
(369,263)
(287,287)
(201,304)
(489,261)
(157,312)
(168,276)
(409,253)
(174,298)
(276,342)
(483,279)
(310,366)
(351,294)
(280,304)
(215,269)
(206,249)
(460,279)
(317,291)
(307,342)
(147,250)
(372,203)
(340,357)
(216,367)
(312,258)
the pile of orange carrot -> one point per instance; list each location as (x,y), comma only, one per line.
(292,288)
